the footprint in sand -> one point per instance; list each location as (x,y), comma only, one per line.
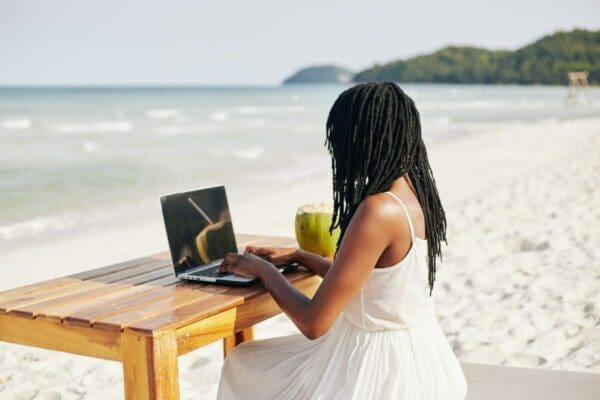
(572,330)
(200,362)
(48,396)
(590,335)
(24,395)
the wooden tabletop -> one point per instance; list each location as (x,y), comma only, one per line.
(141,294)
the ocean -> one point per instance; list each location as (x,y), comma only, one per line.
(71,157)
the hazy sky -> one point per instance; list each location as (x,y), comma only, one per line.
(253,41)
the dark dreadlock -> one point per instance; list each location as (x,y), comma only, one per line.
(374,137)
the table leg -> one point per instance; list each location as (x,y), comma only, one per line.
(150,367)
(242,336)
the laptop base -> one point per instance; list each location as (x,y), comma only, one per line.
(232,279)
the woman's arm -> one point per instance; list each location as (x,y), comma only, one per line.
(286,255)
(366,238)
(314,262)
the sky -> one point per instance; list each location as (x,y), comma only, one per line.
(258,42)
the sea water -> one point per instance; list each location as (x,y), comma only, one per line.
(76,156)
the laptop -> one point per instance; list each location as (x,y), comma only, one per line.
(200,234)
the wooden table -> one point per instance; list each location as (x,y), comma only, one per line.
(138,313)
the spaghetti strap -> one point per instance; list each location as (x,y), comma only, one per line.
(410,225)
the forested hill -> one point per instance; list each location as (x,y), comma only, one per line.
(321,74)
(546,61)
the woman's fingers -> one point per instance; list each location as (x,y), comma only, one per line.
(263,252)
(230,260)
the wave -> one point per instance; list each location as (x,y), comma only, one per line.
(172,130)
(482,105)
(89,147)
(247,153)
(256,122)
(16,124)
(163,113)
(256,110)
(37,226)
(108,126)
(249,110)
(219,116)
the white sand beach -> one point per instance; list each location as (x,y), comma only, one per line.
(519,283)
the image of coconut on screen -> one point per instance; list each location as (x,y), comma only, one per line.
(213,240)
(312,229)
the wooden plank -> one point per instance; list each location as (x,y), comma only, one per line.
(227,323)
(166,281)
(109,269)
(135,271)
(229,342)
(55,336)
(105,300)
(150,370)
(22,301)
(242,336)
(232,296)
(190,312)
(172,300)
(133,298)
(105,314)
(174,296)
(33,310)
(36,288)
(150,277)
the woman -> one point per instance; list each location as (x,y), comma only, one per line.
(370,330)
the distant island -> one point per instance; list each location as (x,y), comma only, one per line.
(321,74)
(546,61)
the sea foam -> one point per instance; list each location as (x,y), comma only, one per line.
(163,113)
(219,116)
(105,126)
(16,124)
(173,130)
(37,226)
(249,153)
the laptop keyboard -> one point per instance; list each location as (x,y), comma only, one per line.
(212,270)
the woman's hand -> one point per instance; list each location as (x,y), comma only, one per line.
(276,255)
(247,264)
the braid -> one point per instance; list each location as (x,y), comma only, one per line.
(374,137)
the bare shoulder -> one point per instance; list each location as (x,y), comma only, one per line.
(376,209)
(380,209)
(379,205)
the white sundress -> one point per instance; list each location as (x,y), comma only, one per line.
(386,345)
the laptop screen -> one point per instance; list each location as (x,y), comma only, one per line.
(199,227)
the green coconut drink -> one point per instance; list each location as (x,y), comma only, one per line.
(312,229)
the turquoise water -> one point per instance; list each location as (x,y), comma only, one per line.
(69,155)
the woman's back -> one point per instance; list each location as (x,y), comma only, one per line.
(396,296)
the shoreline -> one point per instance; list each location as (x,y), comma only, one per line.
(452,168)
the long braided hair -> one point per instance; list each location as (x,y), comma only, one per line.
(374,137)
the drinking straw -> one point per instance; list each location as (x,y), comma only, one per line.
(199,210)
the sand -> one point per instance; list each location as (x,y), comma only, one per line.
(518,285)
